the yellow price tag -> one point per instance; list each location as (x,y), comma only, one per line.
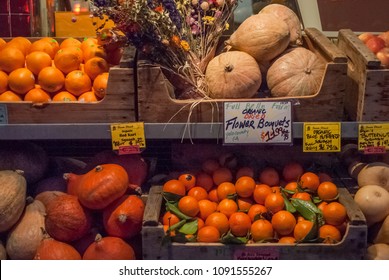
(128,136)
(373,136)
(322,137)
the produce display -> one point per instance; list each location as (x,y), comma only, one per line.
(47,70)
(71,210)
(378,44)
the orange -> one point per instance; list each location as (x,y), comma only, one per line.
(322,205)
(261,230)
(37,60)
(3,81)
(335,213)
(67,60)
(269,176)
(208,234)
(51,79)
(210,165)
(22,43)
(9,96)
(64,96)
(88,96)
(244,203)
(245,186)
(291,186)
(37,95)
(188,180)
(245,171)
(287,240)
(189,205)
(276,189)
(11,59)
(42,46)
(310,181)
(174,186)
(200,223)
(166,228)
(274,202)
(198,192)
(240,224)
(21,80)
(100,84)
(227,206)
(302,229)
(327,191)
(330,234)
(206,207)
(87,42)
(218,220)
(53,42)
(283,222)
(77,82)
(70,42)
(221,175)
(292,171)
(204,180)
(96,66)
(170,219)
(224,190)
(94,51)
(212,195)
(260,193)
(255,211)
(302,195)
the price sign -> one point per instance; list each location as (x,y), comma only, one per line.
(128,138)
(257,122)
(3,114)
(321,137)
(373,138)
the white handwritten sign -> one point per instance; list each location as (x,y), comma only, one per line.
(257,122)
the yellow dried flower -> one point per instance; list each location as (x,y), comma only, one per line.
(185,45)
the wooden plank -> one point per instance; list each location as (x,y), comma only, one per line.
(153,206)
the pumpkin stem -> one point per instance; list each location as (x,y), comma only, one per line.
(228,68)
(307,71)
(98,237)
(98,168)
(122,218)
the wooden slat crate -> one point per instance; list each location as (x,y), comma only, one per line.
(353,245)
(367,97)
(117,106)
(156,103)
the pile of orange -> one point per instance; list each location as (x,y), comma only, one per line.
(219,205)
(47,70)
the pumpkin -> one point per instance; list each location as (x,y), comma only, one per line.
(26,156)
(102,185)
(123,218)
(373,201)
(378,251)
(3,252)
(25,237)
(66,219)
(382,235)
(375,173)
(263,36)
(289,17)
(13,189)
(51,249)
(233,74)
(297,72)
(109,248)
(47,196)
(136,166)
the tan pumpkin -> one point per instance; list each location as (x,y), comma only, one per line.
(382,235)
(3,252)
(233,74)
(46,196)
(123,217)
(66,219)
(51,249)
(102,185)
(13,189)
(290,18)
(109,248)
(263,36)
(297,72)
(25,237)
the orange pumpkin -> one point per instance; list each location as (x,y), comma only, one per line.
(73,181)
(123,218)
(109,248)
(102,185)
(51,249)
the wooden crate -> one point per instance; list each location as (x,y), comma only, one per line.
(156,103)
(367,97)
(353,245)
(117,106)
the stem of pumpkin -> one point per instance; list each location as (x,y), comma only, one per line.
(228,68)
(122,218)
(98,168)
(98,237)
(307,71)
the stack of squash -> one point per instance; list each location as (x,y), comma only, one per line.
(266,47)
